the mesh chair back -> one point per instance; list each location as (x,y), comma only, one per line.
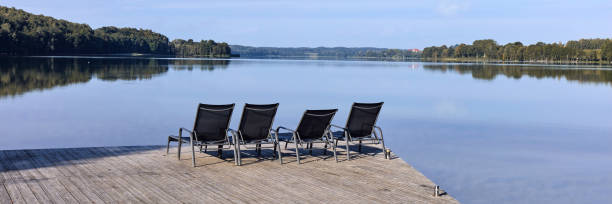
(314,123)
(362,118)
(256,121)
(212,122)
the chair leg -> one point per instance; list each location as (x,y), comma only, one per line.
(335,156)
(168,147)
(205,149)
(286,143)
(239,155)
(235,155)
(359,146)
(382,140)
(178,154)
(325,149)
(297,152)
(385,150)
(280,154)
(239,152)
(348,151)
(258,149)
(310,149)
(192,154)
(274,152)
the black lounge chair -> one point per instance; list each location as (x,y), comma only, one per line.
(360,126)
(313,128)
(255,128)
(210,128)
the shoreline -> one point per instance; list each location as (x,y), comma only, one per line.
(496,61)
(369,59)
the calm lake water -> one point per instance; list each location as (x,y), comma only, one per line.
(485,133)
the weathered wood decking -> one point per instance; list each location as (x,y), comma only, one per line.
(143,174)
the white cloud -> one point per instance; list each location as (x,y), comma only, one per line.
(452,7)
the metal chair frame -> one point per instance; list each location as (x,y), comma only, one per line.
(193,141)
(373,136)
(326,138)
(239,141)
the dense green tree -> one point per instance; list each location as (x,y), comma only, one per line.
(596,43)
(581,50)
(606,51)
(23,33)
(204,48)
(485,48)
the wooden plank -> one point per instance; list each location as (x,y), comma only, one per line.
(9,185)
(219,190)
(186,174)
(145,183)
(185,191)
(38,184)
(123,178)
(106,176)
(78,174)
(15,178)
(74,183)
(4,195)
(142,174)
(59,186)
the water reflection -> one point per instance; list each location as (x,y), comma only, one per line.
(496,141)
(490,72)
(22,75)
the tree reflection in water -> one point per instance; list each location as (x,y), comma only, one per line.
(21,75)
(490,72)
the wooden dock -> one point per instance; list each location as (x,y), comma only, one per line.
(144,174)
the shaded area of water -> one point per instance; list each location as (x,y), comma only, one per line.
(485,133)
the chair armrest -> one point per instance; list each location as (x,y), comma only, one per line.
(339,127)
(180,136)
(296,136)
(235,135)
(380,131)
(345,130)
(185,129)
(273,133)
(281,127)
(273,130)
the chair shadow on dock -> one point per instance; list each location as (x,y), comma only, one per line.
(367,150)
(250,156)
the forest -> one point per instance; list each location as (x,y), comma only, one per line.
(324,52)
(583,50)
(23,33)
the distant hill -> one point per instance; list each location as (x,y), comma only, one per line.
(23,33)
(329,52)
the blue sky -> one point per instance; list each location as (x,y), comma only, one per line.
(353,23)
